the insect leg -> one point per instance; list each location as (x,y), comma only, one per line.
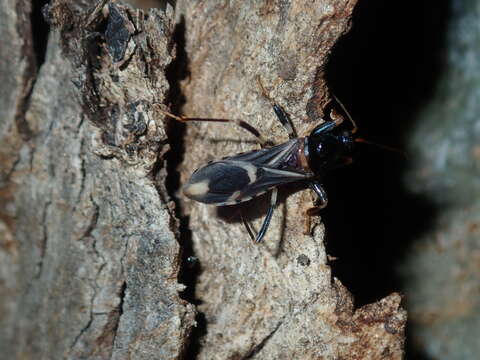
(247,226)
(243,124)
(322,196)
(273,203)
(266,222)
(281,114)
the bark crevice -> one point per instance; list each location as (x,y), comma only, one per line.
(176,72)
(256,350)
(41,30)
(44,239)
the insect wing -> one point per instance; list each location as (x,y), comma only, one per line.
(267,178)
(272,157)
(239,178)
(216,182)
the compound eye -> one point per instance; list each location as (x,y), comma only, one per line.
(322,150)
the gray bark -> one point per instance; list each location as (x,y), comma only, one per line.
(89,242)
(90,248)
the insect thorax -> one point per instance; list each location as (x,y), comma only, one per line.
(328,150)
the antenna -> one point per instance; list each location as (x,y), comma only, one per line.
(354,124)
(362,140)
(384,147)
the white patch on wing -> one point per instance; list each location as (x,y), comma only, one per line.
(286,173)
(234,197)
(196,189)
(249,168)
(251,171)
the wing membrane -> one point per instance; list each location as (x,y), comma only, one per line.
(239,178)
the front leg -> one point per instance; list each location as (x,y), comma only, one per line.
(322,195)
(315,210)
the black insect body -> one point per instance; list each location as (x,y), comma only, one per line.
(241,177)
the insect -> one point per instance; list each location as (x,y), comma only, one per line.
(238,178)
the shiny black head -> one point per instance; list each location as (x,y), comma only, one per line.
(328,147)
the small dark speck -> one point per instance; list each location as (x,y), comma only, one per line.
(390,328)
(108,138)
(192,260)
(77,83)
(303,260)
(131,149)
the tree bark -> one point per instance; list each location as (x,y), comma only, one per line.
(90,245)
(89,239)
(276,300)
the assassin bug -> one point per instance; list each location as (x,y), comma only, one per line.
(241,177)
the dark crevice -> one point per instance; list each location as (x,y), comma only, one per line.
(82,331)
(95,286)
(43,244)
(189,271)
(82,173)
(93,224)
(34,31)
(384,72)
(89,322)
(121,295)
(40,31)
(149,4)
(12,168)
(194,343)
(257,348)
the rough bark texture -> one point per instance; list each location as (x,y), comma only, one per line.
(89,251)
(275,300)
(89,246)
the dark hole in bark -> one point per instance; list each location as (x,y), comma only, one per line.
(40,31)
(384,71)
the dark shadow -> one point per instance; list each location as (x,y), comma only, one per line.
(257,208)
(149,4)
(40,30)
(384,71)
(189,270)
(176,72)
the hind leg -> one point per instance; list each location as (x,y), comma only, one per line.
(243,124)
(263,230)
